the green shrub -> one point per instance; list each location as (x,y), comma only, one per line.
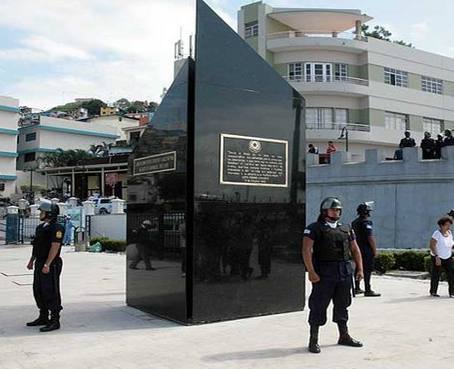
(109,245)
(410,260)
(385,261)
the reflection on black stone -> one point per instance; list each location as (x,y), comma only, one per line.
(223,244)
(156,250)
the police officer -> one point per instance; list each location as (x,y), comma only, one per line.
(328,248)
(428,146)
(363,229)
(48,265)
(143,245)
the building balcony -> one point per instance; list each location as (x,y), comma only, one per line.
(338,126)
(329,85)
(297,40)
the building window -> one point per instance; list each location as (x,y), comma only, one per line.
(434,126)
(396,77)
(295,71)
(433,85)
(340,72)
(30,137)
(318,72)
(30,156)
(326,118)
(396,121)
(134,137)
(251,29)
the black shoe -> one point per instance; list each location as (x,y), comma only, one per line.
(314,346)
(358,291)
(451,295)
(346,340)
(52,326)
(371,294)
(434,294)
(150,268)
(133,267)
(42,320)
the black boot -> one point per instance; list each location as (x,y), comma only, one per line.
(344,338)
(43,319)
(371,293)
(313,340)
(53,324)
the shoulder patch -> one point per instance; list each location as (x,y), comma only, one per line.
(59,234)
(307,231)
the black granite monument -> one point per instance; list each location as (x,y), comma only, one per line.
(216,189)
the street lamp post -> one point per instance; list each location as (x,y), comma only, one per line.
(344,134)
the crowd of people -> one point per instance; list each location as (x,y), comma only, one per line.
(431,148)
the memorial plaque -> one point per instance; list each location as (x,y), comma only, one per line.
(155,163)
(253,161)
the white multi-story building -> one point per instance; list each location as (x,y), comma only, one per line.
(51,134)
(9,115)
(377,89)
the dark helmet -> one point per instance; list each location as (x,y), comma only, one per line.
(330,203)
(407,134)
(365,208)
(50,209)
(427,134)
(451,213)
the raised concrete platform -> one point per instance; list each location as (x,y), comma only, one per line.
(403,329)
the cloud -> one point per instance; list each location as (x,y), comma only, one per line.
(39,49)
(97,48)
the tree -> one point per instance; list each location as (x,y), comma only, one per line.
(64,158)
(100,150)
(382,33)
(122,104)
(93,106)
(138,107)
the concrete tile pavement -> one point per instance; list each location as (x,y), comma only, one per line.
(403,329)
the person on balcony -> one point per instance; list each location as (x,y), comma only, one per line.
(428,146)
(438,146)
(312,149)
(331,148)
(407,141)
(449,139)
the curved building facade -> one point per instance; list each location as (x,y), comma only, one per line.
(371,88)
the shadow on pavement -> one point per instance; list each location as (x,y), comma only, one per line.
(84,317)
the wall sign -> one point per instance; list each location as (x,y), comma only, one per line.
(253,161)
(156,163)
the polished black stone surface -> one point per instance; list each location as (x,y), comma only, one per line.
(157,192)
(237,191)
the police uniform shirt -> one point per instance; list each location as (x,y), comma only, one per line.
(46,234)
(310,231)
(363,229)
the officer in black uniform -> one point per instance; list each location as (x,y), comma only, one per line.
(328,248)
(363,228)
(428,146)
(407,141)
(48,265)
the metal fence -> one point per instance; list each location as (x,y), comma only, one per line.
(18,228)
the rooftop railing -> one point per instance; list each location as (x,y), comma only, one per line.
(338,126)
(293,34)
(328,79)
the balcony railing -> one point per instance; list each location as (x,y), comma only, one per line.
(327,79)
(293,34)
(338,126)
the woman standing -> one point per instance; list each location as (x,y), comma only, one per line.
(441,245)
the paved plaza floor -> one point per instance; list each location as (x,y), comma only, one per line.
(403,329)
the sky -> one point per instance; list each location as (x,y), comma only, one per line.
(53,51)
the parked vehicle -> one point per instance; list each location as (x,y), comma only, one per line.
(102,205)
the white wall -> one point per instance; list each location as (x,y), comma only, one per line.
(111,226)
